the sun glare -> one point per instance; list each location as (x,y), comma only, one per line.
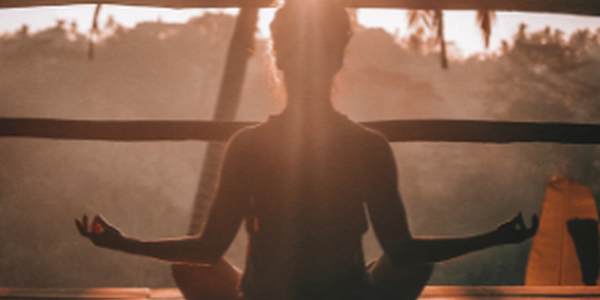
(461,30)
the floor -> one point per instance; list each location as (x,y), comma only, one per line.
(430,293)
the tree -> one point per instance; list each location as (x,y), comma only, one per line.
(433,20)
(544,76)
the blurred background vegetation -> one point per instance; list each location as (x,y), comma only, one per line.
(159,70)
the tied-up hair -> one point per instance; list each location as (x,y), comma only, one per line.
(318,26)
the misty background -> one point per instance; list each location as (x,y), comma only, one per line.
(172,71)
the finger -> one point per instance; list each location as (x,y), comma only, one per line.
(514,220)
(80,228)
(84,221)
(101,220)
(535,223)
(520,223)
(98,225)
(513,223)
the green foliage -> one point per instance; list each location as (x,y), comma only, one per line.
(550,77)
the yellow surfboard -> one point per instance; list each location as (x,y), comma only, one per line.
(553,258)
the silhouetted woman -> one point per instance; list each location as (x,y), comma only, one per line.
(303,183)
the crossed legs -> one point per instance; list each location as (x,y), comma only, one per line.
(391,282)
(220,281)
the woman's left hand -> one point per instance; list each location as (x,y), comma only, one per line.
(515,230)
(100,232)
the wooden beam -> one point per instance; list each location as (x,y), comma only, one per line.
(486,131)
(429,293)
(124,131)
(395,131)
(153,3)
(74,293)
(579,7)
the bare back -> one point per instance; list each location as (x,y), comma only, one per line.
(306,214)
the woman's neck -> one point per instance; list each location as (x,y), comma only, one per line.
(309,98)
(309,108)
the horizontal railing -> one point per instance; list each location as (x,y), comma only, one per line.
(473,131)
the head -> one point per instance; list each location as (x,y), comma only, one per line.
(309,40)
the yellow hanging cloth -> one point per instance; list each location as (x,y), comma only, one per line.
(553,259)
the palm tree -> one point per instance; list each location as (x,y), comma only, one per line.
(433,20)
(485,18)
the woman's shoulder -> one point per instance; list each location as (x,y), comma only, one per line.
(276,126)
(371,136)
(243,136)
(250,136)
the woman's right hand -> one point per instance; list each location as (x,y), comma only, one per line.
(100,232)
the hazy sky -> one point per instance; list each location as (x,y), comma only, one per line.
(460,25)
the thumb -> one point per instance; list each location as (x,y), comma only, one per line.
(535,223)
(99,224)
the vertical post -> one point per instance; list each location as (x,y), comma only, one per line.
(439,16)
(240,51)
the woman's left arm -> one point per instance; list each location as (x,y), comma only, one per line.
(224,220)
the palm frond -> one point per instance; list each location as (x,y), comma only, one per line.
(413,18)
(438,24)
(485,18)
(432,21)
(94,32)
(420,18)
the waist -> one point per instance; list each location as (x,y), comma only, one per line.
(351,284)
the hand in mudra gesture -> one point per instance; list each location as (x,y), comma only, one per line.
(515,231)
(100,232)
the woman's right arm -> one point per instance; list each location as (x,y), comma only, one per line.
(224,220)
